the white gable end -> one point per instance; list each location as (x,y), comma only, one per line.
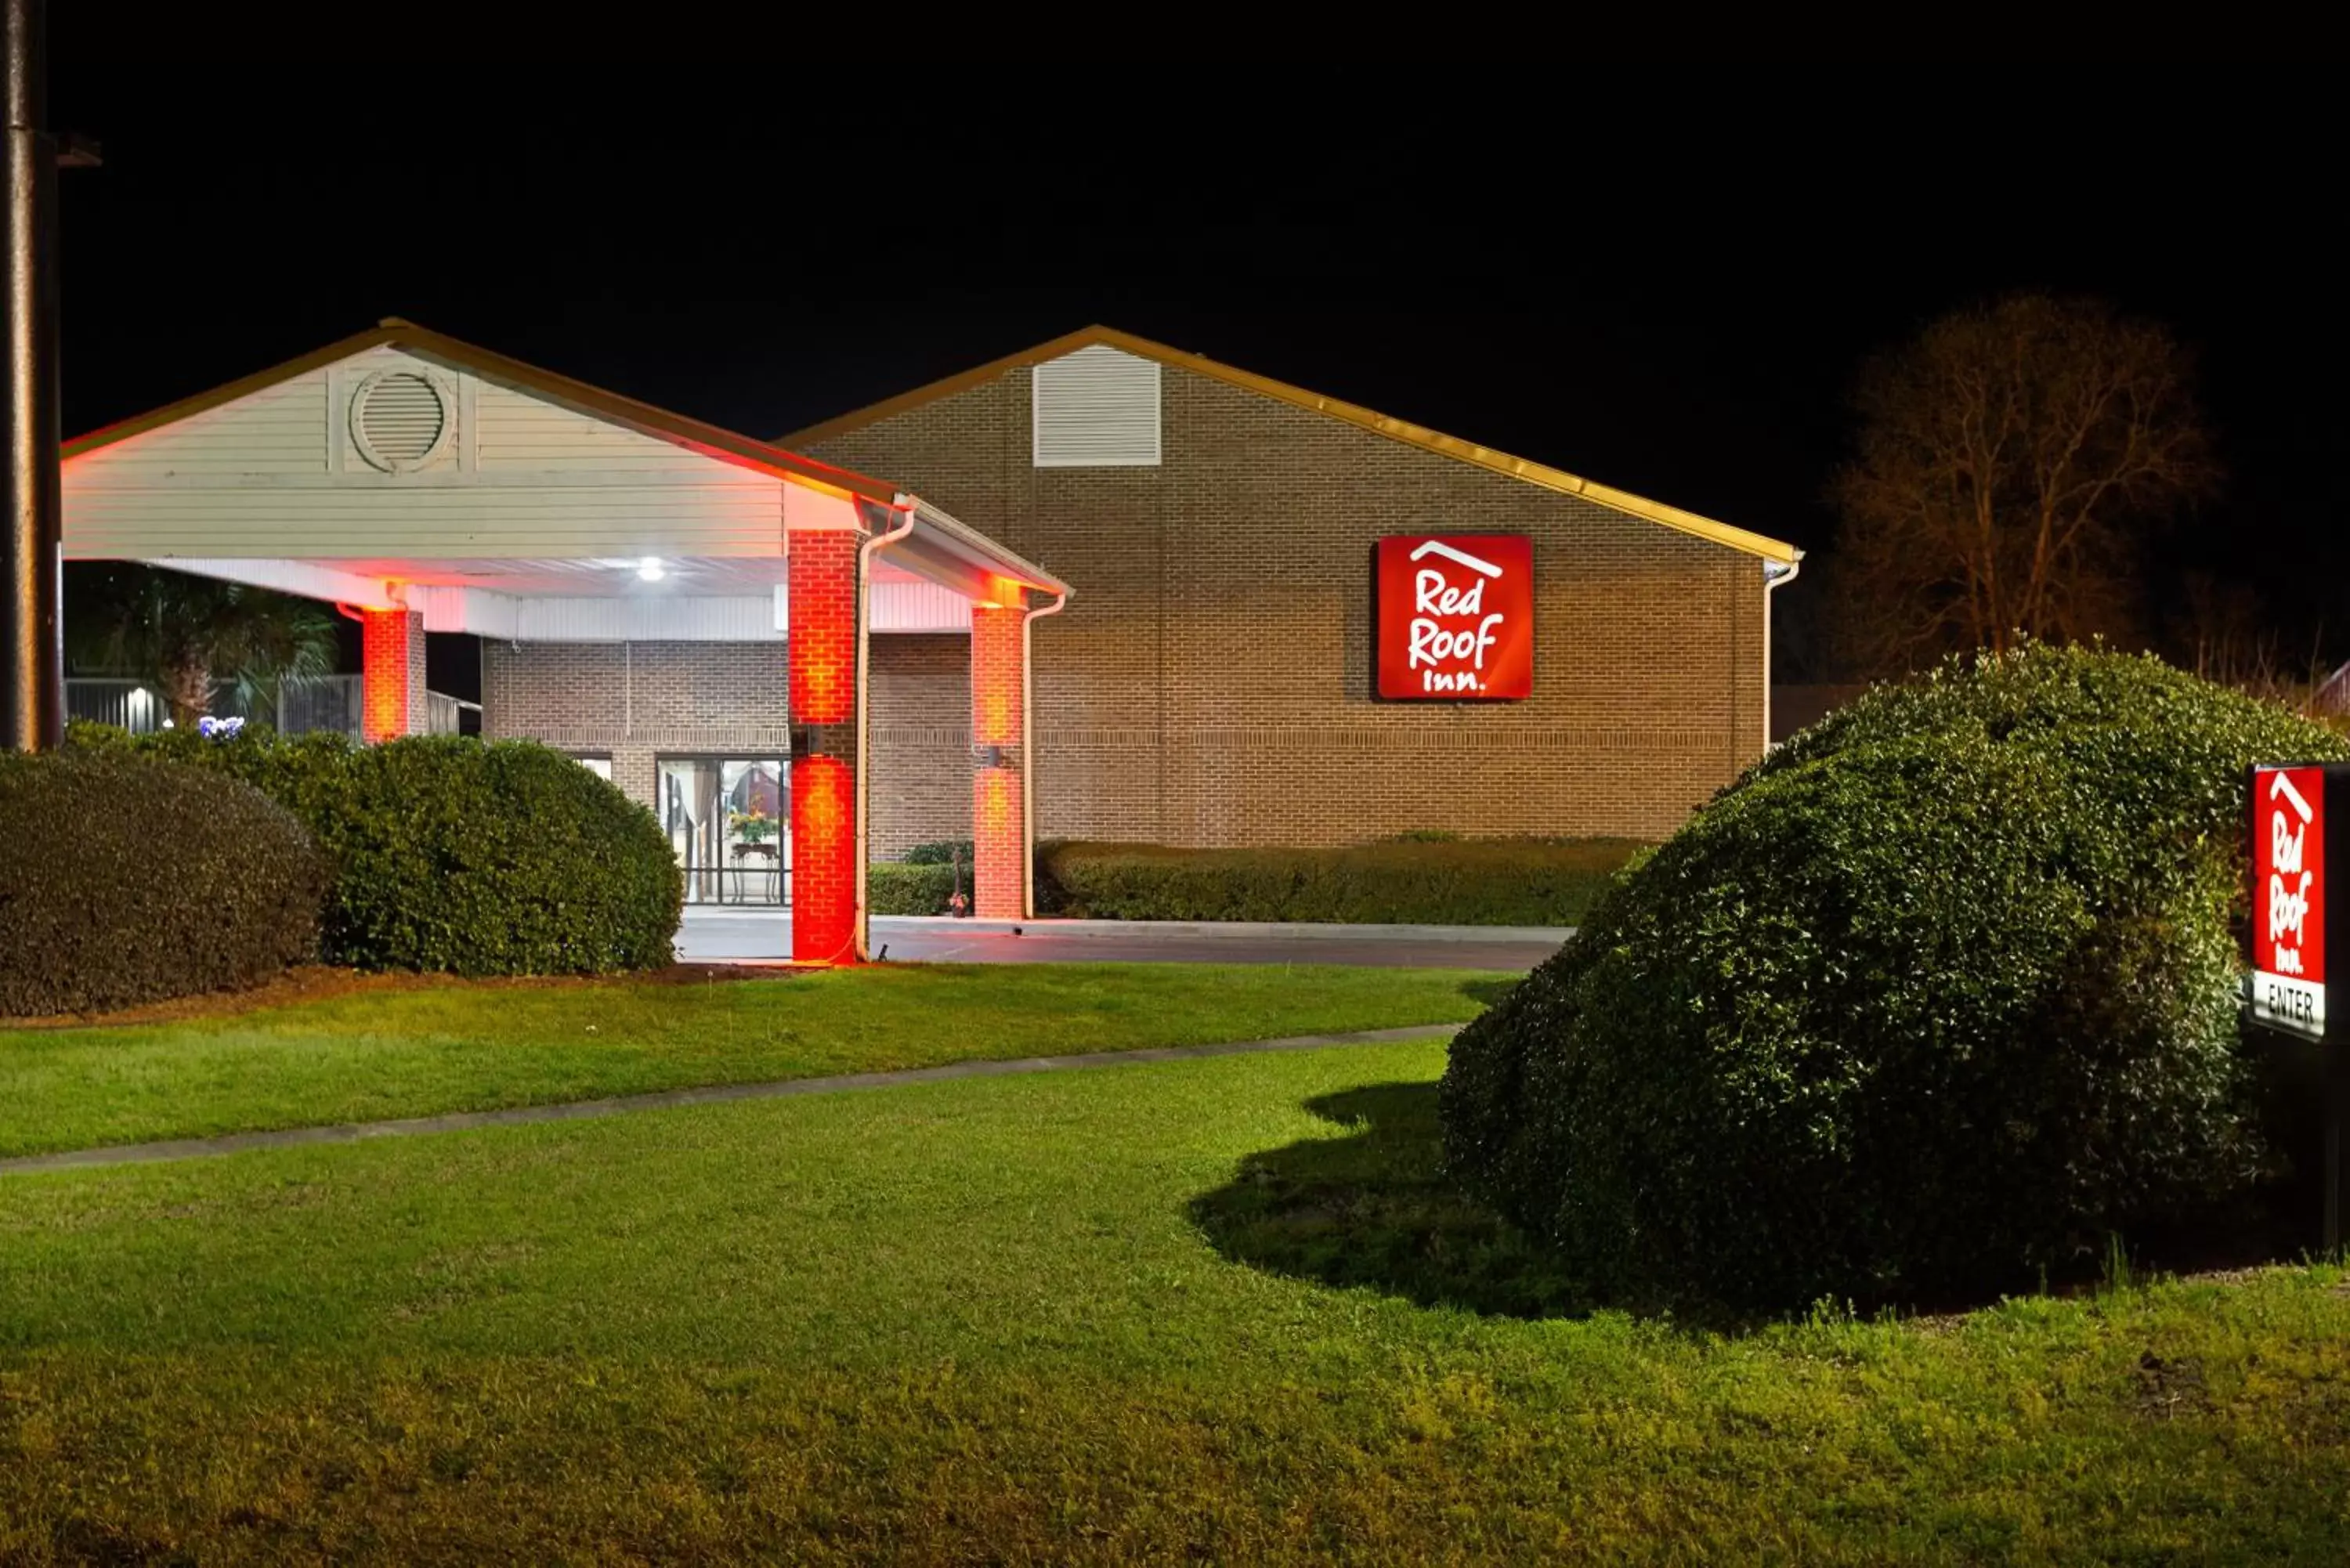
(353,459)
(278,429)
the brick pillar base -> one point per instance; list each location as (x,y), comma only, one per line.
(824,632)
(392,680)
(999,833)
(824,860)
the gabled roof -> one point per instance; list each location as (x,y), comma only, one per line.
(642,418)
(1370,420)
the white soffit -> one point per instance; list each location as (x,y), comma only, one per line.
(611,576)
(645,621)
(589,601)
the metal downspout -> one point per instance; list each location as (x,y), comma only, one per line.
(903,504)
(1771,583)
(1028,754)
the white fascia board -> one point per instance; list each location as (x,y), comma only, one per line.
(992,559)
(444,608)
(483,612)
(807,510)
(927,559)
(307,579)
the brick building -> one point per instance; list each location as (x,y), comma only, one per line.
(683,609)
(1212,682)
(800,668)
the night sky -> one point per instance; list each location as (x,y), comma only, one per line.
(1666,290)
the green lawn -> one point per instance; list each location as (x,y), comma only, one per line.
(1172,1311)
(445,1046)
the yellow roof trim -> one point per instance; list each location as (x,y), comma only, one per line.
(1370,420)
(643,418)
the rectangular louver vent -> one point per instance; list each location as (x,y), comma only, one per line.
(1097,408)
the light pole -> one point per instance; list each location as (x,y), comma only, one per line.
(32,551)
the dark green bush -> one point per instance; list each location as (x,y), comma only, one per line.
(942,853)
(1941,994)
(125,880)
(906,888)
(1471,882)
(457,854)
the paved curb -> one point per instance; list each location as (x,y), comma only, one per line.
(665,1099)
(1237,930)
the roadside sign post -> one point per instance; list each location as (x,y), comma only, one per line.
(2300,826)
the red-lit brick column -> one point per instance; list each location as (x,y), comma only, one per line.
(824,632)
(392,679)
(999,835)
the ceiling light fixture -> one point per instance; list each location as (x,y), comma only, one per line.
(651,569)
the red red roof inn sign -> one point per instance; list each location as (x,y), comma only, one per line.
(2288,934)
(1456,617)
(2295,808)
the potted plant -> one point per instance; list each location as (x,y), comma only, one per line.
(753,830)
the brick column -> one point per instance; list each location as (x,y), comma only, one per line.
(999,835)
(392,679)
(823,684)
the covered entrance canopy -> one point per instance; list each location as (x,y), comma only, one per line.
(425,484)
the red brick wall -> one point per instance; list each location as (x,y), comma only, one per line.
(823,656)
(635,701)
(918,739)
(1210,683)
(647,699)
(392,685)
(999,855)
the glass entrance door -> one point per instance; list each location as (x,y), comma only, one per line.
(729,823)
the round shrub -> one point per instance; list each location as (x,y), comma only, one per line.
(452,853)
(1941,993)
(125,880)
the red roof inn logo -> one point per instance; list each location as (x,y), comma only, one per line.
(2289,898)
(1456,617)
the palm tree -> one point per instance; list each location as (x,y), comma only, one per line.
(187,633)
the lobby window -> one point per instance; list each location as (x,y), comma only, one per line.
(728,821)
(1097,408)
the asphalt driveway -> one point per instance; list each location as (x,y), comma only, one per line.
(736,936)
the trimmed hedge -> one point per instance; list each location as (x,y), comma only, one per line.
(906,888)
(1468,882)
(1941,993)
(125,880)
(452,853)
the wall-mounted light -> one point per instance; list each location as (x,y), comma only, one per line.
(651,570)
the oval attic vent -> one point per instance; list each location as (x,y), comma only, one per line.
(399,420)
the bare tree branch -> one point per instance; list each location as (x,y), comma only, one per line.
(2011,463)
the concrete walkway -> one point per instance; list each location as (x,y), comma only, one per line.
(666,1099)
(735,936)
